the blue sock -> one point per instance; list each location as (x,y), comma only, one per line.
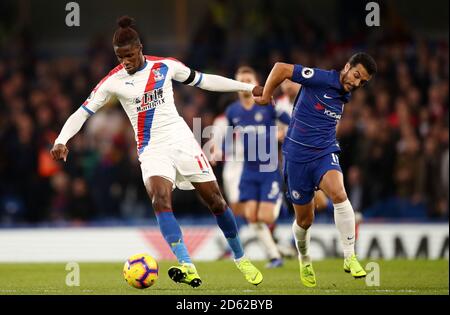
(172,234)
(227,224)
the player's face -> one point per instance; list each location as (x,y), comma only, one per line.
(354,77)
(130,56)
(247,77)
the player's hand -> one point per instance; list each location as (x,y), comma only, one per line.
(257,91)
(261,100)
(59,152)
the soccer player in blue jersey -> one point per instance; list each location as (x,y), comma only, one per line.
(260,182)
(310,150)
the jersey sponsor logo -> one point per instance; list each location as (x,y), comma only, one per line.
(319,106)
(331,114)
(327,112)
(150,100)
(307,73)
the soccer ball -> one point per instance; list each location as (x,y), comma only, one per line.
(140,271)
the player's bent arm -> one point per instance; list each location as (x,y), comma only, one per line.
(280,72)
(72,126)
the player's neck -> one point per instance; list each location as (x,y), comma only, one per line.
(247,102)
(141,64)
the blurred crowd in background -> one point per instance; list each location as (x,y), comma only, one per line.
(394,134)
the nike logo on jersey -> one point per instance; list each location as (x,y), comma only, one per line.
(327,97)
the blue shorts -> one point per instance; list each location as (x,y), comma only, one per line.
(261,187)
(303,179)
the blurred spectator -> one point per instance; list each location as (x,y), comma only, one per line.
(393,135)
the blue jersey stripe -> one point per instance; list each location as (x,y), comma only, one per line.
(147,128)
(88,110)
(199,80)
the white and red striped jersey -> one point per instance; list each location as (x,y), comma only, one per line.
(147,98)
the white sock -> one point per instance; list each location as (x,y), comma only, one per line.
(265,237)
(344,217)
(302,240)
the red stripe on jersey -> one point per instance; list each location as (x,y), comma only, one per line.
(204,160)
(199,162)
(141,116)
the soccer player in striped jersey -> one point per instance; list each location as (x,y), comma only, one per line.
(310,150)
(168,152)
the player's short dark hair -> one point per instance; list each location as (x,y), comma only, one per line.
(365,60)
(125,34)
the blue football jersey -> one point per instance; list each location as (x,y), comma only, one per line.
(317,110)
(255,128)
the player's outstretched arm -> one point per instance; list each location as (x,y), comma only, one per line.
(70,128)
(212,82)
(217,83)
(280,72)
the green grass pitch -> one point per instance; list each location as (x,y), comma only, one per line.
(223,278)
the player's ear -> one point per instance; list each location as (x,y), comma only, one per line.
(347,67)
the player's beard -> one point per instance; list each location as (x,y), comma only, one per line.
(345,81)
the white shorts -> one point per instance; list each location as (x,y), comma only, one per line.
(182,163)
(232,171)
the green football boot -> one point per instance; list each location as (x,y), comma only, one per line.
(185,274)
(251,273)
(307,275)
(352,265)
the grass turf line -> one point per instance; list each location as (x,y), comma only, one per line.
(402,277)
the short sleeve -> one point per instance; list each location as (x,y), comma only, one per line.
(311,76)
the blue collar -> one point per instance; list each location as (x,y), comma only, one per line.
(143,66)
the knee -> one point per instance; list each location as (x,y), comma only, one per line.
(161,200)
(217,204)
(251,217)
(305,220)
(338,195)
(266,217)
